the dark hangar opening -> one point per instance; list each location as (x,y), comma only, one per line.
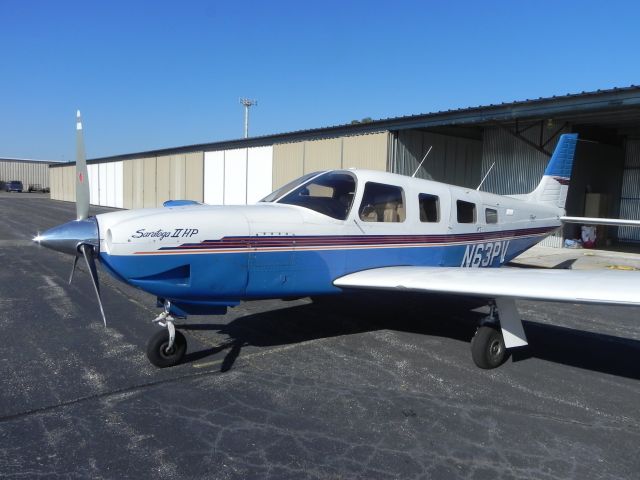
(518,139)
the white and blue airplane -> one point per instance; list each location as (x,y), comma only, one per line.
(329,232)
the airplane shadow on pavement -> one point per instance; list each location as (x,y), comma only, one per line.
(448,317)
(587,350)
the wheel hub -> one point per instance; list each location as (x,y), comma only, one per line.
(167,351)
(495,349)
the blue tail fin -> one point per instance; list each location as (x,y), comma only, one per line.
(552,189)
(561,161)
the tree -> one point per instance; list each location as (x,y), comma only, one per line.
(364,120)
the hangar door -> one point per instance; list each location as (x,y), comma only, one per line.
(594,190)
(630,198)
(453,160)
(239,176)
(105,184)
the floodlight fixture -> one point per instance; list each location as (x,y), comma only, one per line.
(247,103)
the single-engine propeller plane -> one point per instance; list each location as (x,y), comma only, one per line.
(328,232)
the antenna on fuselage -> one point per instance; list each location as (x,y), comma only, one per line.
(486,175)
(425,157)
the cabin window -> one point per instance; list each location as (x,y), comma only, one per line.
(491,215)
(330,194)
(429,208)
(466,211)
(382,203)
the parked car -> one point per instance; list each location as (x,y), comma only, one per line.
(35,187)
(13,186)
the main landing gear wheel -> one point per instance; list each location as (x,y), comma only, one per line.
(487,347)
(158,352)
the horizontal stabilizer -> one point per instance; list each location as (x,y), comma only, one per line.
(604,287)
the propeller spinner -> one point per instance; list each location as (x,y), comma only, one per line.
(79,237)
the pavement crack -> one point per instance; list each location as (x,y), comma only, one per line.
(110,393)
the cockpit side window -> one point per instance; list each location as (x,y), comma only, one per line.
(330,194)
(382,203)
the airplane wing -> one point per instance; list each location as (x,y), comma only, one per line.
(605,287)
(618,222)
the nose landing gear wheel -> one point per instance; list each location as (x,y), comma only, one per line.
(161,356)
(487,348)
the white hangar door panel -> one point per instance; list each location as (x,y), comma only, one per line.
(102,182)
(259,173)
(214,178)
(94,184)
(235,176)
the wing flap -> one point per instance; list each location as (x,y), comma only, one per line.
(606,287)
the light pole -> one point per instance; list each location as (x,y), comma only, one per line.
(247,103)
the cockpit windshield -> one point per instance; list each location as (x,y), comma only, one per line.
(330,194)
(273,196)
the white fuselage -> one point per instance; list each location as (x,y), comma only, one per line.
(275,249)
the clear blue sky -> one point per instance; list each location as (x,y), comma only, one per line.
(154,74)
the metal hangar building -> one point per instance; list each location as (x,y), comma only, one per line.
(517,137)
(29,172)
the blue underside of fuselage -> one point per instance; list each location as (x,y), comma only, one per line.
(206,283)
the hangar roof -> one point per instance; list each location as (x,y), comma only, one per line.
(615,108)
(27,160)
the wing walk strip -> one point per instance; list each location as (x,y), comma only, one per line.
(277,244)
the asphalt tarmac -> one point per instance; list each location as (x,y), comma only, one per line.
(376,387)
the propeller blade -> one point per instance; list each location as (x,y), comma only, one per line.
(87,253)
(82,180)
(73,269)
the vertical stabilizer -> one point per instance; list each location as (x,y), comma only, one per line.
(552,189)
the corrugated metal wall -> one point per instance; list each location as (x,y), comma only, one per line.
(452,160)
(62,183)
(365,151)
(148,182)
(133,183)
(54,180)
(29,173)
(193,176)
(288,162)
(630,198)
(291,160)
(322,155)
(234,176)
(519,166)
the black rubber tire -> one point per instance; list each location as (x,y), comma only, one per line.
(157,349)
(487,348)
